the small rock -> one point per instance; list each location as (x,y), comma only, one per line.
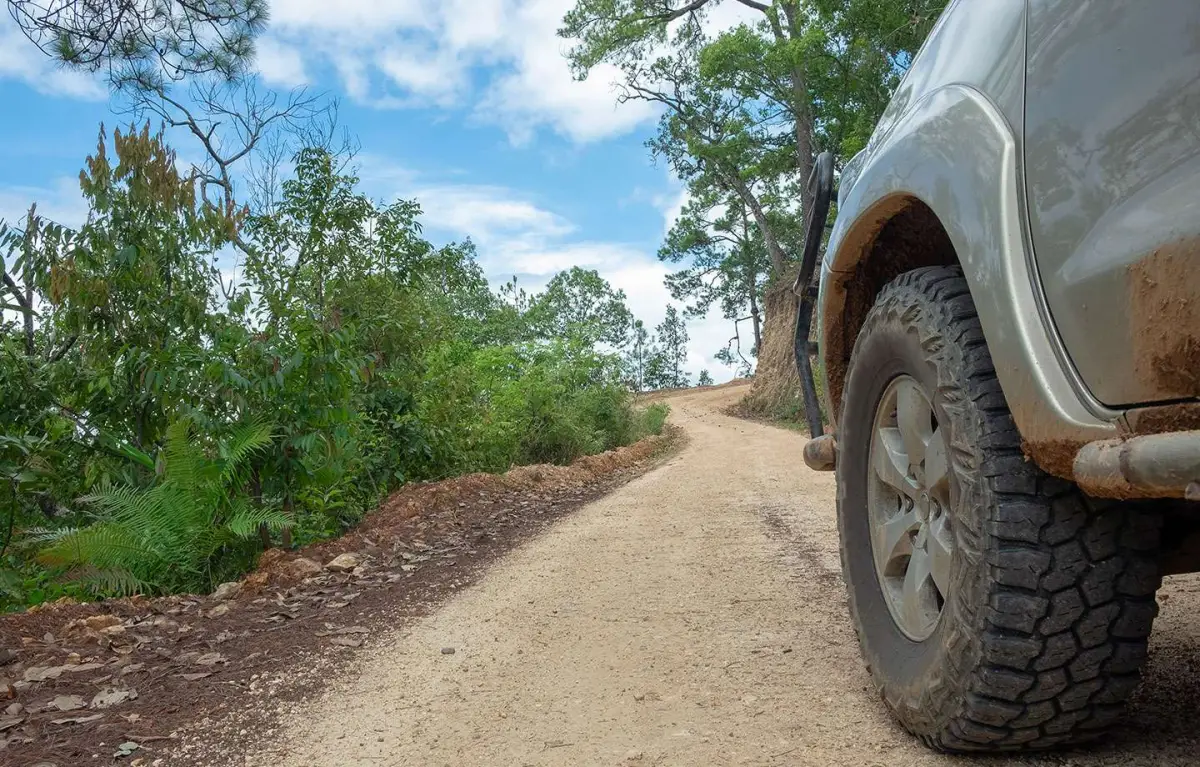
(447,651)
(111,697)
(639,696)
(100,622)
(633,755)
(219,610)
(303,567)
(7,656)
(74,659)
(68,703)
(13,709)
(343,563)
(227,591)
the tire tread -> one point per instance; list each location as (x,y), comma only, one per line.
(1056,649)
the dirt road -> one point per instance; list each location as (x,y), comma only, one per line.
(694,617)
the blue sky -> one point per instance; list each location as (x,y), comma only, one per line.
(465,105)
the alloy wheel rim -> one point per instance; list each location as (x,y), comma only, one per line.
(908,503)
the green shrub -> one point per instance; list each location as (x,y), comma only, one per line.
(377,357)
(187,532)
(654,417)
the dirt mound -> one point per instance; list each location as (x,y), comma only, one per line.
(776,389)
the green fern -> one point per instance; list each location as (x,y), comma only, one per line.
(173,535)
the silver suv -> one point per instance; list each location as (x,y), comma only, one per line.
(1008,326)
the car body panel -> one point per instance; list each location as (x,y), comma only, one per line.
(948,140)
(1112,153)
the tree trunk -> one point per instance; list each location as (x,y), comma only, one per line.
(756,319)
(803,128)
(774,251)
(27,277)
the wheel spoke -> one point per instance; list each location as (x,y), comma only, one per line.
(912,598)
(940,547)
(892,539)
(915,421)
(936,468)
(891,463)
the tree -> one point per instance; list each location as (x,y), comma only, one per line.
(143,42)
(705,379)
(726,263)
(666,369)
(579,303)
(136,281)
(746,110)
(821,70)
(637,357)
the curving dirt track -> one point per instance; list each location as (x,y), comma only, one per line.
(696,616)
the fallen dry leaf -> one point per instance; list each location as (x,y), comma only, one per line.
(210,659)
(9,722)
(347,630)
(194,677)
(77,719)
(346,641)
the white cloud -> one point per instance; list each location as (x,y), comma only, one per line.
(672,205)
(502,59)
(61,202)
(517,236)
(358,18)
(279,64)
(490,215)
(21,60)
(426,73)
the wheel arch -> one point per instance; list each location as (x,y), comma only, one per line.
(942,187)
(896,235)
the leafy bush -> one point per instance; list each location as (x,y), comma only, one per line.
(188,531)
(376,357)
(654,417)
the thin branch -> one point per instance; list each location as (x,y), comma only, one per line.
(15,289)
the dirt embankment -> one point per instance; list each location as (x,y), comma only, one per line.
(776,388)
(117,681)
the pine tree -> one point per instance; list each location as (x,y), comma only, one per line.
(672,340)
(638,357)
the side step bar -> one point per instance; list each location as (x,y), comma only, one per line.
(821,453)
(1152,466)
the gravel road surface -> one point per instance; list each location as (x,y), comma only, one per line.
(696,616)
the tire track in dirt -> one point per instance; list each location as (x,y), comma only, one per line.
(696,616)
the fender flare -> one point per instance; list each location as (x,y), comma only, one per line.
(955,152)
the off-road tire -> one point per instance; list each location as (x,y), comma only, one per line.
(1041,639)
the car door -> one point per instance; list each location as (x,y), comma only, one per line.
(1112,171)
